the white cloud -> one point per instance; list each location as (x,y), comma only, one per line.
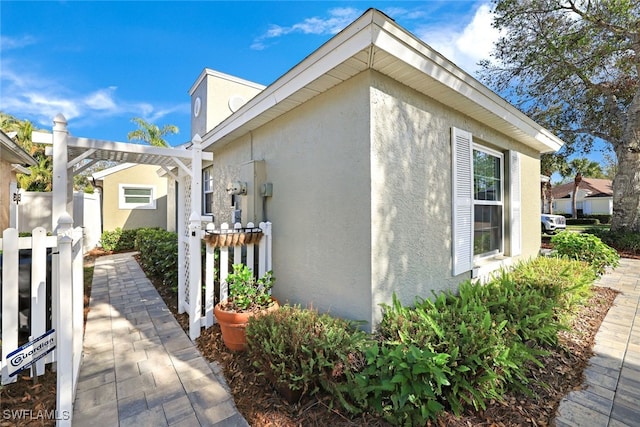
(464,46)
(338,19)
(7,43)
(102,99)
(29,95)
(464,43)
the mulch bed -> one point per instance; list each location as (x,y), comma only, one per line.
(264,407)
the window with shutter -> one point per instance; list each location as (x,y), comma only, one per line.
(479,220)
(462,243)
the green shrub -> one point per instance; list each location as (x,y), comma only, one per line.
(583,221)
(623,241)
(602,218)
(303,350)
(118,240)
(586,247)
(568,282)
(159,254)
(401,383)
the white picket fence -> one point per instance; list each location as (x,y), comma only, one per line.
(67,299)
(249,245)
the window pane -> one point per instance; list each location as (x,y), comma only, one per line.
(486,176)
(136,199)
(487,229)
(137,192)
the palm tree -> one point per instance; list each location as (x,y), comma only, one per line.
(151,134)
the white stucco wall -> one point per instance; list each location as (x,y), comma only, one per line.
(316,157)
(411,191)
(115,217)
(361,200)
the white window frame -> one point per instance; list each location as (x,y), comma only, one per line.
(500,202)
(123,204)
(462,221)
(207,189)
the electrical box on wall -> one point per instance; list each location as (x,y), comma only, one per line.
(254,173)
(266,190)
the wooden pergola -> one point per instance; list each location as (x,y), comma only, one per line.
(182,164)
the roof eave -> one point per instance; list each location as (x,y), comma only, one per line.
(11,152)
(369,43)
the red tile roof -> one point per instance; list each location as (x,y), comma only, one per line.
(597,187)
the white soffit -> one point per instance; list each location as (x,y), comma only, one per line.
(374,41)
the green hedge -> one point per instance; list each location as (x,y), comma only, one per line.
(451,351)
(159,254)
(582,221)
(118,240)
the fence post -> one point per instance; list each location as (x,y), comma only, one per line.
(78,303)
(59,178)
(195,240)
(264,253)
(209,270)
(38,288)
(9,298)
(64,324)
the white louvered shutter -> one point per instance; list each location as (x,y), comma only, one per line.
(515,217)
(462,200)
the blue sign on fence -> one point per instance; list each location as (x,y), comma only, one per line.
(31,352)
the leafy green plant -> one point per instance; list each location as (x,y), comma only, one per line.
(118,240)
(586,247)
(246,293)
(159,254)
(565,281)
(401,383)
(302,350)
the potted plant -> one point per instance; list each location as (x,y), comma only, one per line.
(248,296)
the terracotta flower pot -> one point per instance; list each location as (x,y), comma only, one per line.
(233,325)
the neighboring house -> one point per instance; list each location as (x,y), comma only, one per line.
(384,168)
(13,160)
(136,195)
(594,197)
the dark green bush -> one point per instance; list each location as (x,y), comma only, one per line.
(602,218)
(583,221)
(303,350)
(586,247)
(118,240)
(622,241)
(159,254)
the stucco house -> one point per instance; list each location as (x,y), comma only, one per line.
(13,160)
(136,195)
(594,197)
(383,167)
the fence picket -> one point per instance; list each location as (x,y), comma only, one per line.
(39,288)
(10,266)
(67,282)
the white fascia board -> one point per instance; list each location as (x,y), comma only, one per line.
(209,72)
(20,169)
(106,172)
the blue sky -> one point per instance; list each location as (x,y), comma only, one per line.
(103,63)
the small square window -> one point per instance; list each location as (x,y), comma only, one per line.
(136,196)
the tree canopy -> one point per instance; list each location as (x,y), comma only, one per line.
(151,134)
(573,66)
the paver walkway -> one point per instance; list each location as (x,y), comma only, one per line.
(139,368)
(611,393)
